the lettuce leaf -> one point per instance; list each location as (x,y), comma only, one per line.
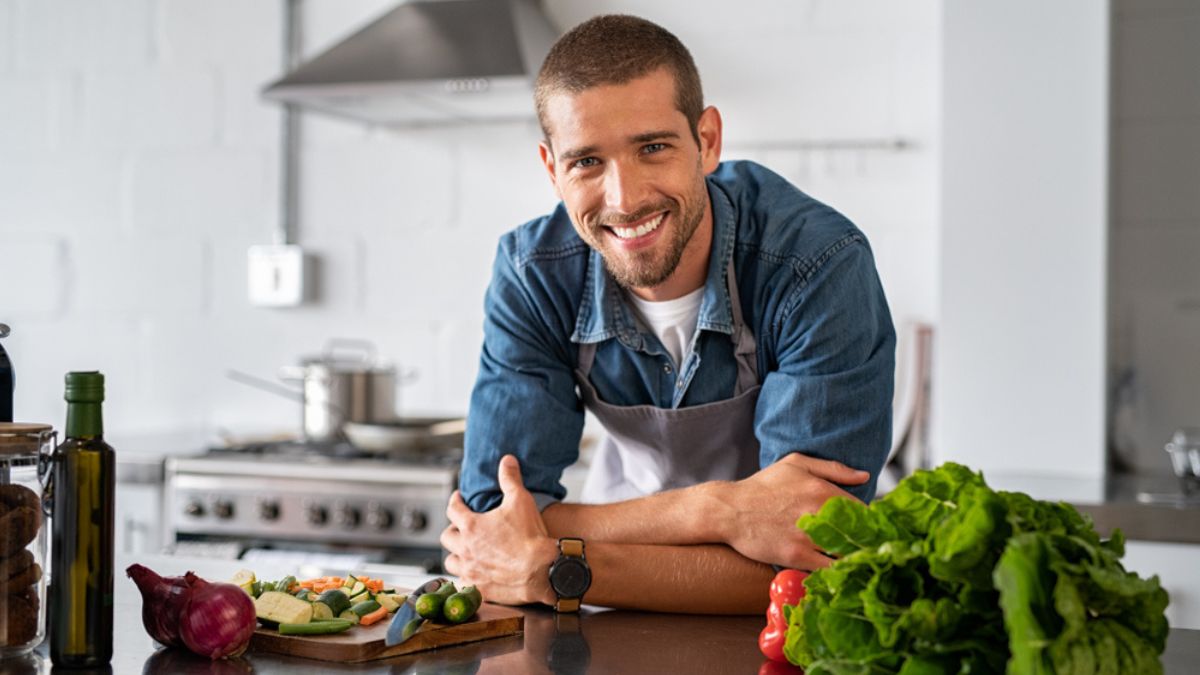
(946,575)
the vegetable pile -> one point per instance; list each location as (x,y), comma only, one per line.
(945,575)
(211,619)
(319,606)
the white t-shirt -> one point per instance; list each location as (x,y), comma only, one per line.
(672,321)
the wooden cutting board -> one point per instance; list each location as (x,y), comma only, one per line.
(366,643)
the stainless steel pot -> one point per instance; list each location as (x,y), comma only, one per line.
(343,384)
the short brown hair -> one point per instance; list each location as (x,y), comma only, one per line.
(615,49)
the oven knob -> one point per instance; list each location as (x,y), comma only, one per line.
(317,515)
(379,519)
(194,509)
(223,509)
(413,520)
(347,516)
(268,510)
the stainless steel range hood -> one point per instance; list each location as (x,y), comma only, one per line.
(429,62)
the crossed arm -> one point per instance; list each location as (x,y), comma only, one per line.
(704,549)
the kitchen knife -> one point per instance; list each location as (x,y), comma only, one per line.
(407,612)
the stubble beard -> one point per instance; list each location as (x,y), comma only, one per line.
(653,266)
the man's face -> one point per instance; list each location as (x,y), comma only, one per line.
(631,175)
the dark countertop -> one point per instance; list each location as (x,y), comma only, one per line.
(616,642)
(598,641)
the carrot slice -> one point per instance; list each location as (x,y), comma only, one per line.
(368,619)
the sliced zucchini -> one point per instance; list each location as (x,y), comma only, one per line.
(337,600)
(365,607)
(389,600)
(349,615)
(321,611)
(282,608)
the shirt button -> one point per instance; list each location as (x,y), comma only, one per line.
(666,369)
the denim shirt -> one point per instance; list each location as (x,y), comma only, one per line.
(809,292)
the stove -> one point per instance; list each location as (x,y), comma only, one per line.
(314,498)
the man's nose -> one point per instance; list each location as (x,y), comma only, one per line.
(623,188)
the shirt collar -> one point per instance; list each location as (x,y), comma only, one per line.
(604,313)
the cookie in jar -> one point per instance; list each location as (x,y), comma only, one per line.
(22,536)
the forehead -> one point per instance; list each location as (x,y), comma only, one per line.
(613,113)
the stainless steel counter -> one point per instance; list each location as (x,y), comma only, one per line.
(1161,521)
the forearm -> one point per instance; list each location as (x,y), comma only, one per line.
(675,517)
(704,579)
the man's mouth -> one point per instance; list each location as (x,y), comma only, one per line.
(641,230)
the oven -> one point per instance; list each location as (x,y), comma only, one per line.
(311,502)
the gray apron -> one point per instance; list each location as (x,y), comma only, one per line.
(649,449)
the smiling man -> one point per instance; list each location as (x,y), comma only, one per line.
(728,331)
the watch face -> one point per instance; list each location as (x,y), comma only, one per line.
(570,578)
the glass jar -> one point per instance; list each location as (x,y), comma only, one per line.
(22,535)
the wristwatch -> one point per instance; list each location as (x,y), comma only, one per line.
(570,575)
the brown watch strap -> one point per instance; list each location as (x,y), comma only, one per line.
(571,547)
(567,605)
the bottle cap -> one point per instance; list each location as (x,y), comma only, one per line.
(85,387)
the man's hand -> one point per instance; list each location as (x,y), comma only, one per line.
(506,552)
(760,512)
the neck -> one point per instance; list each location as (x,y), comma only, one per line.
(692,269)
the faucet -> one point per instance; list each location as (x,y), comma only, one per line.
(8,380)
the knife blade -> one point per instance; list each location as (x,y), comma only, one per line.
(407,613)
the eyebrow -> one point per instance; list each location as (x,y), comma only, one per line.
(576,153)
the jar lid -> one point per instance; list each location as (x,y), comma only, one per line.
(21,438)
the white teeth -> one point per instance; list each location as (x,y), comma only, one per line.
(639,231)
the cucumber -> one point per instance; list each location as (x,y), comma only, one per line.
(355,589)
(337,601)
(365,607)
(359,597)
(429,605)
(304,594)
(282,608)
(463,605)
(314,628)
(349,615)
(411,627)
(321,611)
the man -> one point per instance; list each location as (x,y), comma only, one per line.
(728,331)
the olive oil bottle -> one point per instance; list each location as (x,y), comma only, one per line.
(80,612)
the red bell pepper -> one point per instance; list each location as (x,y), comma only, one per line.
(787,588)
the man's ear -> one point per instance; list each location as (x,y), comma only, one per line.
(547,155)
(708,128)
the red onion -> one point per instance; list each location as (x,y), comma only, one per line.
(162,601)
(217,620)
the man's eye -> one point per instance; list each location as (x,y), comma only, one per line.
(654,147)
(584,163)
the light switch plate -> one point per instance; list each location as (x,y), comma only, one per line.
(277,276)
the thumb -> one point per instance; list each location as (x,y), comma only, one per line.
(510,476)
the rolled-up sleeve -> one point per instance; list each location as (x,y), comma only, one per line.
(524,401)
(830,393)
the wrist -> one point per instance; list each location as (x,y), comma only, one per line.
(717,515)
(545,552)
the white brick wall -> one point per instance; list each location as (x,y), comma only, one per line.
(138,162)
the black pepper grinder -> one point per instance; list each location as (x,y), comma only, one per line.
(8,380)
